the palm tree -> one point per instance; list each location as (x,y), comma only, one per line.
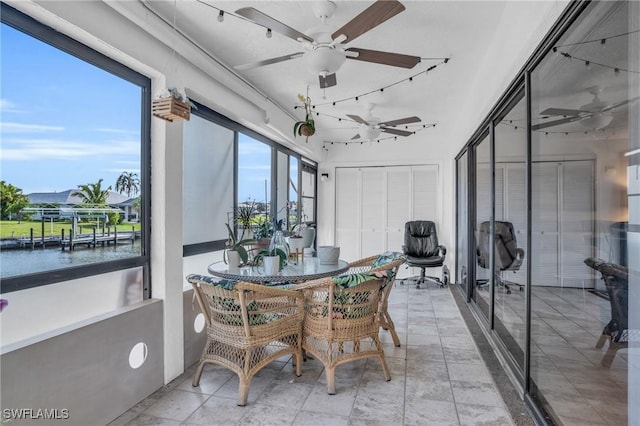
(128,183)
(92,193)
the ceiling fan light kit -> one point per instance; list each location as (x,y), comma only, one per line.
(325,51)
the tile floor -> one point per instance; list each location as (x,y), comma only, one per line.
(438,378)
(566,365)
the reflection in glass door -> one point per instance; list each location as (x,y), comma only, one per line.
(483,212)
(582,303)
(510,241)
(462,246)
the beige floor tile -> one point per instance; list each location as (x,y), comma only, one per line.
(265,415)
(176,405)
(308,418)
(478,415)
(476,393)
(432,413)
(217,411)
(319,401)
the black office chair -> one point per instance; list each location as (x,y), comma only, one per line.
(508,256)
(617,332)
(422,250)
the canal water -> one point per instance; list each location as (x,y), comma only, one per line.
(19,262)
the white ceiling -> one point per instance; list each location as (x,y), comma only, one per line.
(487,42)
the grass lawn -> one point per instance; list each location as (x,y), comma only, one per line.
(13,228)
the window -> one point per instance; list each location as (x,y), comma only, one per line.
(75,144)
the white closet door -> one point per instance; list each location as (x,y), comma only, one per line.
(374,203)
(372,226)
(516,213)
(398,204)
(348,213)
(425,193)
(576,222)
(544,225)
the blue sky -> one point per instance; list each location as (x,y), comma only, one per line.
(57,130)
(64,123)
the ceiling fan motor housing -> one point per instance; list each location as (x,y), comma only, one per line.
(325,60)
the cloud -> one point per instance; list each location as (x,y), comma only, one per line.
(8,106)
(54,149)
(254,149)
(118,131)
(27,128)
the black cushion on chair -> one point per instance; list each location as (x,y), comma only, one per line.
(432,261)
(421,244)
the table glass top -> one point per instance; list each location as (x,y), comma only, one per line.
(307,269)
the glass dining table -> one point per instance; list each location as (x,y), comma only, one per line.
(308,269)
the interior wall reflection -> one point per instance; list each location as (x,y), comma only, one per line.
(581,100)
(510,241)
(483,193)
(462,209)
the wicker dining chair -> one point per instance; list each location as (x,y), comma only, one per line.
(248,326)
(384,261)
(341,320)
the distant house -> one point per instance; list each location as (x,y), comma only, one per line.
(63,203)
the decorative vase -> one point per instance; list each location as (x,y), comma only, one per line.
(233,258)
(271,265)
(296,244)
(278,241)
(328,255)
(308,235)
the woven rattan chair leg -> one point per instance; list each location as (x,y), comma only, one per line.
(602,340)
(394,336)
(331,380)
(243,391)
(391,327)
(385,368)
(298,358)
(608,357)
(196,377)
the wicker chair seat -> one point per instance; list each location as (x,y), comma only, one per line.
(382,262)
(248,326)
(341,324)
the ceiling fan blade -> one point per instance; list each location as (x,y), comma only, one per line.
(555,122)
(619,104)
(252,65)
(384,58)
(267,21)
(357,136)
(371,17)
(397,132)
(406,120)
(357,119)
(328,80)
(562,111)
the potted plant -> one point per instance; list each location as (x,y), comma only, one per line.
(244,217)
(236,254)
(296,242)
(272,259)
(172,104)
(308,126)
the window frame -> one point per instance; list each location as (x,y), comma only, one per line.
(209,114)
(31,27)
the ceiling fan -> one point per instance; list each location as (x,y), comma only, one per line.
(371,127)
(595,115)
(324,49)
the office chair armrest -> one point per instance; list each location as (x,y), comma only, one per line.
(442,249)
(519,253)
